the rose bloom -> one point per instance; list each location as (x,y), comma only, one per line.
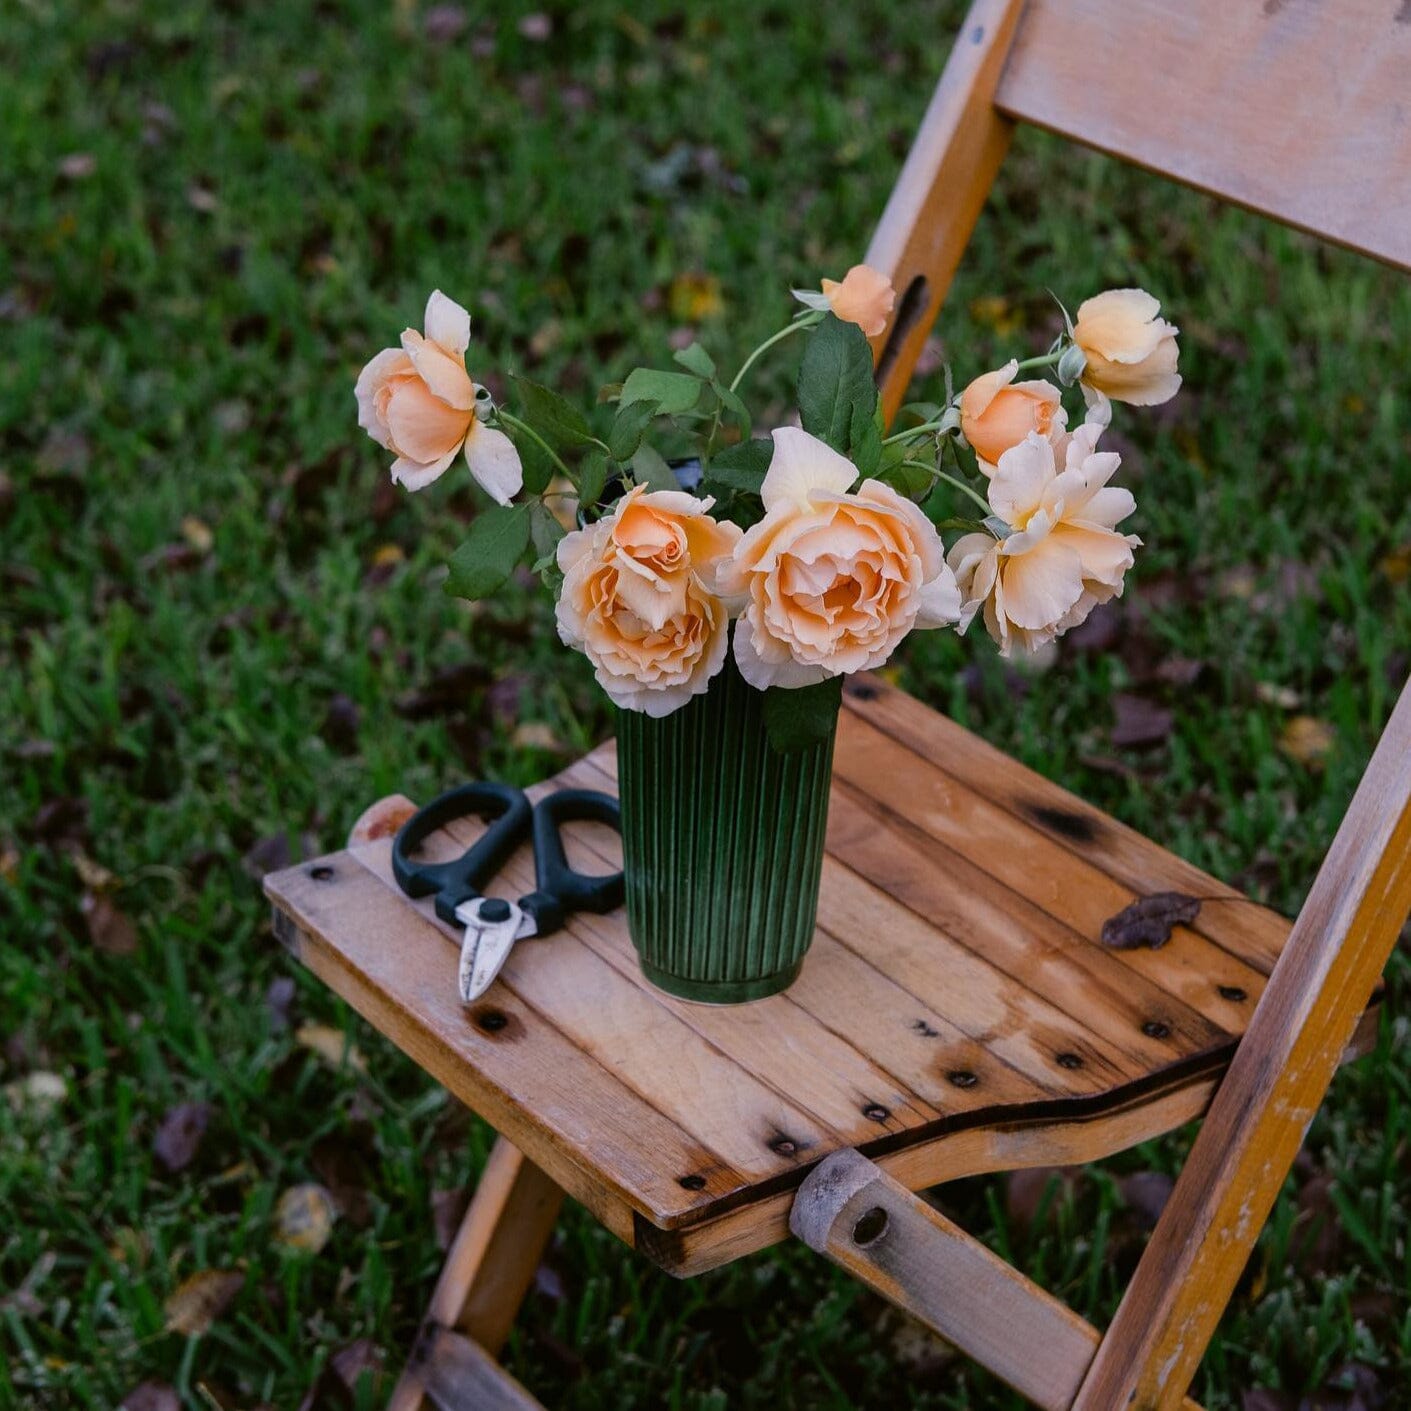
(1131,350)
(639,598)
(1064,556)
(419,402)
(996,412)
(831,581)
(863,296)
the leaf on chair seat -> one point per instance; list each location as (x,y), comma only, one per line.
(1149,921)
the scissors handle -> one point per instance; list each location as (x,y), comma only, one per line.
(510,817)
(560,890)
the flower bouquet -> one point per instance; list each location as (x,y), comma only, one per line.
(723,584)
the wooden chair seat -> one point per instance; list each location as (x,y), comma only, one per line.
(957,1013)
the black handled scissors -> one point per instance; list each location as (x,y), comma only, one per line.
(492,924)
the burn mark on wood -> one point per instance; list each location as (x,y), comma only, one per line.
(920,1025)
(1076,827)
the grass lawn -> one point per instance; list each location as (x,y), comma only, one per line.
(221,634)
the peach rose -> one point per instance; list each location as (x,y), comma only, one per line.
(1064,554)
(639,598)
(418,401)
(831,581)
(996,412)
(1131,351)
(864,296)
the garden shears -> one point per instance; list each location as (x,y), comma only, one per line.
(493,924)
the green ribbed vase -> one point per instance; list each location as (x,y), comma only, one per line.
(722,837)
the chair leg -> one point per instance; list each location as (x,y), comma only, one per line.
(854,1214)
(489,1267)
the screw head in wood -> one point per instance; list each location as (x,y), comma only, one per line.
(1155,1029)
(962,1078)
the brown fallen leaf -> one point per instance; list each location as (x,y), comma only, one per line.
(78,166)
(109,928)
(1149,921)
(194,1307)
(198,534)
(152,1396)
(332,1045)
(536,735)
(303,1219)
(178,1139)
(37,1092)
(1139,723)
(1307,741)
(1147,1192)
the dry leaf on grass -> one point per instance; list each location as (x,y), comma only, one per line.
(152,1396)
(109,927)
(36,1092)
(179,1137)
(1307,740)
(332,1045)
(201,1299)
(304,1217)
(535,735)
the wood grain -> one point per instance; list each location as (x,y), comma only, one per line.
(1297,111)
(489,1265)
(903,1249)
(459,1376)
(942,187)
(1334,958)
(956,1013)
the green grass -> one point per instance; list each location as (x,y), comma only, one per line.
(273,191)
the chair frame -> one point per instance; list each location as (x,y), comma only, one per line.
(861,1219)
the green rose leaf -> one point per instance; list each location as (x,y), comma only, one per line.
(837,394)
(696,359)
(806,716)
(650,470)
(629,427)
(732,403)
(544,530)
(558,421)
(497,540)
(592,477)
(673,392)
(740,467)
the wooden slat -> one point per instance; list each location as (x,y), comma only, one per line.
(489,1266)
(857,1216)
(1294,110)
(1254,933)
(941,190)
(1068,1137)
(624,1030)
(459,1376)
(899,784)
(573,1118)
(1334,957)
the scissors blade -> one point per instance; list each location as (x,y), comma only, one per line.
(484,951)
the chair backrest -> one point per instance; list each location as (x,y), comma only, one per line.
(1302,112)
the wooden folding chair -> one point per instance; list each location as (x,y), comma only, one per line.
(1300,113)
(957,1013)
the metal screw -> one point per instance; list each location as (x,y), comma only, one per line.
(1069,1060)
(692,1183)
(875,1112)
(783,1146)
(962,1078)
(1233,993)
